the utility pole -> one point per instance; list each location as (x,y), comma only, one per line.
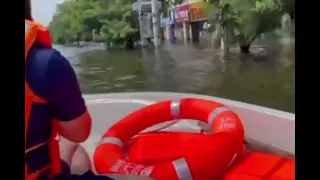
(155,23)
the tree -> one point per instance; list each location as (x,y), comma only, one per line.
(108,21)
(116,21)
(69,20)
(169,4)
(60,25)
(252,19)
(288,6)
(245,20)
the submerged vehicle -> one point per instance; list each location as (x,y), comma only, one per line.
(154,135)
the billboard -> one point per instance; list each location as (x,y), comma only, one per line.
(181,13)
(200,11)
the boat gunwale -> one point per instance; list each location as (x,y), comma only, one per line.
(269,138)
(265,110)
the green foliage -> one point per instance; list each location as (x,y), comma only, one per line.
(253,17)
(103,21)
(247,19)
(116,21)
(169,4)
(288,6)
(266,5)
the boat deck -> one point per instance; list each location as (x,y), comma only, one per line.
(266,129)
(264,125)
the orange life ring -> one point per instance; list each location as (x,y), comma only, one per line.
(109,156)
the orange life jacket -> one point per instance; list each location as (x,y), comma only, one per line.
(37,33)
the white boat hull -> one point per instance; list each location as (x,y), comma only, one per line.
(268,126)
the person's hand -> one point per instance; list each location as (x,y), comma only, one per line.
(67,149)
(75,156)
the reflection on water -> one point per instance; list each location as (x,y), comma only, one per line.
(258,79)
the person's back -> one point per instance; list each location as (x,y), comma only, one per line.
(51,78)
(54,105)
(39,130)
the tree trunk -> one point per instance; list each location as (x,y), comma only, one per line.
(225,43)
(216,37)
(129,43)
(245,49)
(195,31)
(292,15)
(78,40)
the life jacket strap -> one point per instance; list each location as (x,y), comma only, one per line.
(38,99)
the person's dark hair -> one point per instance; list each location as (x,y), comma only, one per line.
(27,10)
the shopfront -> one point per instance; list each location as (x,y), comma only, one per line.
(181,14)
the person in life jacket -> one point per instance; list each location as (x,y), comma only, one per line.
(53,105)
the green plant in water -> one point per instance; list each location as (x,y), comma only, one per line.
(246,20)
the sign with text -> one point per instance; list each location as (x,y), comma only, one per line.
(146,25)
(181,13)
(199,11)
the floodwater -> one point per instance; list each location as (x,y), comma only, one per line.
(266,77)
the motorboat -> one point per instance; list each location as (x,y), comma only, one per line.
(266,130)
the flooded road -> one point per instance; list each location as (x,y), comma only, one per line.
(260,78)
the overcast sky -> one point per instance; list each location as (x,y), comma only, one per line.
(42,10)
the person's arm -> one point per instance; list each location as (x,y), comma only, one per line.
(65,97)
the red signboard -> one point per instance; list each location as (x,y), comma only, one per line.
(181,13)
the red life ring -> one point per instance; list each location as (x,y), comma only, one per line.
(109,156)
